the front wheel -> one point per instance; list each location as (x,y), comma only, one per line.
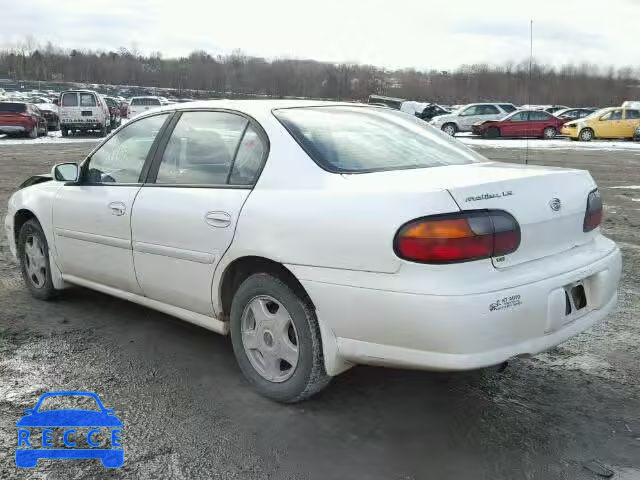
(33,251)
(276,339)
(450,129)
(549,132)
(492,132)
(586,135)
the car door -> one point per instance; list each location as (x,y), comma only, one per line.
(514,126)
(469,116)
(630,122)
(609,124)
(184,217)
(538,121)
(91,218)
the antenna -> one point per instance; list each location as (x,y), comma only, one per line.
(526,157)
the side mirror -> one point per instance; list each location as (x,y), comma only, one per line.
(65,172)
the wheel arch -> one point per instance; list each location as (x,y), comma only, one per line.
(21,217)
(240,268)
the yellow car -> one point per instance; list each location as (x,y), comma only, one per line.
(613,122)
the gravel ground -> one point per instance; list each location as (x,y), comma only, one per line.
(188,413)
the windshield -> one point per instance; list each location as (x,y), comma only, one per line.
(76,402)
(364,139)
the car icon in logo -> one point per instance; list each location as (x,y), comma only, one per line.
(555,204)
(101,430)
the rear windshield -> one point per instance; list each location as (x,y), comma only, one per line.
(13,107)
(366,139)
(507,107)
(145,101)
(70,100)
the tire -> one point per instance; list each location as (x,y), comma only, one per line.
(294,329)
(33,133)
(45,130)
(64,131)
(103,131)
(450,129)
(492,132)
(33,252)
(585,135)
(549,133)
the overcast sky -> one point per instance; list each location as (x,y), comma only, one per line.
(402,33)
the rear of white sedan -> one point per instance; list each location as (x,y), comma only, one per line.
(443,260)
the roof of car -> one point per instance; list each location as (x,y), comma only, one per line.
(253,106)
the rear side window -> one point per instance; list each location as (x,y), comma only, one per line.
(632,114)
(13,107)
(87,100)
(507,108)
(69,100)
(201,149)
(488,110)
(363,139)
(539,116)
(248,160)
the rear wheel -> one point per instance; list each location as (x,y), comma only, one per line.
(276,339)
(549,132)
(586,135)
(450,129)
(33,252)
(64,131)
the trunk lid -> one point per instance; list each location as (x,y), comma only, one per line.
(525,191)
(548,203)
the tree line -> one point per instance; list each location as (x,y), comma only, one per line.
(238,74)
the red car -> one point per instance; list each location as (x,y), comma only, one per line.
(20,118)
(521,123)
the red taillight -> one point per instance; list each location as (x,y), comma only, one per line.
(458,237)
(593,214)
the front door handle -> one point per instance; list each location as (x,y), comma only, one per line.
(218,219)
(118,208)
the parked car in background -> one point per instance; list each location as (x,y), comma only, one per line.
(574,113)
(554,108)
(115,118)
(432,110)
(391,102)
(124,108)
(462,120)
(49,111)
(612,122)
(22,118)
(139,105)
(636,134)
(466,262)
(521,123)
(83,110)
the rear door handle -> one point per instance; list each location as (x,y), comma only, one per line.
(218,219)
(118,208)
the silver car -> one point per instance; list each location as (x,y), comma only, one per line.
(462,119)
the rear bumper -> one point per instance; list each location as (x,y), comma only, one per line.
(14,129)
(460,332)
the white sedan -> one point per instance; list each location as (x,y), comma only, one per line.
(322,235)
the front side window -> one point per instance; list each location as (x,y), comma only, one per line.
(518,117)
(201,149)
(70,100)
(87,100)
(474,110)
(346,139)
(121,158)
(612,115)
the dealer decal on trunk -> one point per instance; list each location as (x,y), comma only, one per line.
(505,302)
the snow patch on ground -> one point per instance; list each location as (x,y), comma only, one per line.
(52,137)
(628,187)
(559,143)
